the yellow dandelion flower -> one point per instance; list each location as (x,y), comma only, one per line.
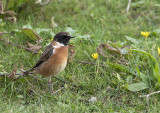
(95,55)
(145,34)
(159,51)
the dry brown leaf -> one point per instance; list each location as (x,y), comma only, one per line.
(33,47)
(7,15)
(13,72)
(72,52)
(105,49)
(12,19)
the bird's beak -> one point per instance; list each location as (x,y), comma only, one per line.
(71,37)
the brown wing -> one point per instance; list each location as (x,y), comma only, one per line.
(45,55)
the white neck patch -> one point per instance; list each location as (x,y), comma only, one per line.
(58,45)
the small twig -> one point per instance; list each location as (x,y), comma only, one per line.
(128,6)
(35,52)
(148,95)
(3,33)
(7,74)
(21,75)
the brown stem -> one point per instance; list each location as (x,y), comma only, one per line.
(35,52)
(5,74)
(8,74)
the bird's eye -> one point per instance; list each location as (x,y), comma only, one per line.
(67,37)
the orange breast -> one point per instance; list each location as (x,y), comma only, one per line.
(55,64)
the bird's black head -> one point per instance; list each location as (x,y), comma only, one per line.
(62,37)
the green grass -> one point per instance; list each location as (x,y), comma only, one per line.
(104,20)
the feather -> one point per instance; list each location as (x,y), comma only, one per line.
(48,52)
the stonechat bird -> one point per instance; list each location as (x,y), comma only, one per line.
(54,58)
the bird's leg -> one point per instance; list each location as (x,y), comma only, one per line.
(49,84)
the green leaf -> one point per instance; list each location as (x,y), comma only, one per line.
(156,72)
(137,86)
(145,79)
(28,30)
(133,40)
(31,34)
(144,52)
(136,4)
(123,68)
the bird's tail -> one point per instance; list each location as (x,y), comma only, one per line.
(27,72)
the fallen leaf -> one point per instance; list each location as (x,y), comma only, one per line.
(33,47)
(12,19)
(72,52)
(7,15)
(32,34)
(13,72)
(133,40)
(105,49)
